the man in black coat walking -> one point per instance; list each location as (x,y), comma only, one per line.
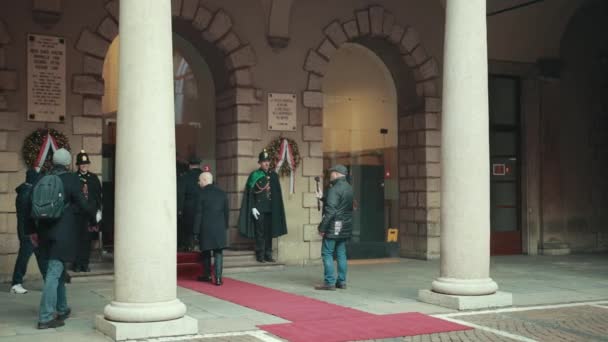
(187,196)
(210,224)
(91,188)
(25,228)
(59,243)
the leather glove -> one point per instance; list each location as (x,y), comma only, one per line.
(98,216)
(256,213)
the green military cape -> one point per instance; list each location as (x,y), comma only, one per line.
(246,219)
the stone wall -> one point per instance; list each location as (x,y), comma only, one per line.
(233,37)
(82,124)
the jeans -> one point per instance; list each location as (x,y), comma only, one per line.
(54,299)
(327,253)
(26,248)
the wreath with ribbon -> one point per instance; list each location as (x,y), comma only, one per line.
(39,146)
(284,158)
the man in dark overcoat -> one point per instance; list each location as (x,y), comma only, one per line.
(91,188)
(262,214)
(187,196)
(210,225)
(58,243)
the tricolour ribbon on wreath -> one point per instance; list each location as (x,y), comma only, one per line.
(48,144)
(286,155)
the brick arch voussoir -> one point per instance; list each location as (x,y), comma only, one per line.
(376,22)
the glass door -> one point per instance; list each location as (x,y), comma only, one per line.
(505,162)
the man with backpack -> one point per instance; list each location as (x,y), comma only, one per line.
(55,198)
(25,228)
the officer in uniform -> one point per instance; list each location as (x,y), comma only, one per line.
(88,228)
(262,214)
(187,197)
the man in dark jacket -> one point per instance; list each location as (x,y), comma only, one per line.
(336,227)
(187,193)
(91,188)
(210,224)
(262,214)
(24,230)
(59,243)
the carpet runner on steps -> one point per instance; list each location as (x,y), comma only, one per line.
(318,321)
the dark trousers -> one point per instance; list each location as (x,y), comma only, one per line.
(184,235)
(26,249)
(83,254)
(218,263)
(263,236)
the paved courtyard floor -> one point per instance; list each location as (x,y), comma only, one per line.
(556,298)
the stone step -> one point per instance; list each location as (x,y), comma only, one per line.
(102,268)
(234,268)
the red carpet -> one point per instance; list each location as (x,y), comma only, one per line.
(278,303)
(189,265)
(188,257)
(362,328)
(315,320)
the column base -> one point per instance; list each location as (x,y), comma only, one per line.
(464,287)
(119,331)
(495,300)
(144,312)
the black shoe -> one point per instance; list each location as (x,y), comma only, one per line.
(269,259)
(85,269)
(260,259)
(75,268)
(341,286)
(64,316)
(205,279)
(55,323)
(325,287)
(219,282)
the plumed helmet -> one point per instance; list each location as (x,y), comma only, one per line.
(264,156)
(82,158)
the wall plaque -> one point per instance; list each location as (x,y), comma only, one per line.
(46,78)
(282,110)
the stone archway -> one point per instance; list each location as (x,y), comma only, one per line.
(235,91)
(419,107)
(8,84)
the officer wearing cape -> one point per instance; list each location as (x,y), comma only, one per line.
(262,215)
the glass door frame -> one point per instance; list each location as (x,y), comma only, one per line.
(509,242)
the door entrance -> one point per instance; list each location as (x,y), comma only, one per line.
(505,160)
(195,126)
(360,131)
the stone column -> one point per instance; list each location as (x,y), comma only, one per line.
(464,281)
(145,286)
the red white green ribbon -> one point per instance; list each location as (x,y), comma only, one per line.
(48,144)
(286,155)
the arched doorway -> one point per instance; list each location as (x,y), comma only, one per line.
(415,74)
(360,131)
(195,126)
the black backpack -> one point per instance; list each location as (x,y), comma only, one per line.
(48,198)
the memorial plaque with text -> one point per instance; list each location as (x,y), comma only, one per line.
(282,112)
(46,78)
